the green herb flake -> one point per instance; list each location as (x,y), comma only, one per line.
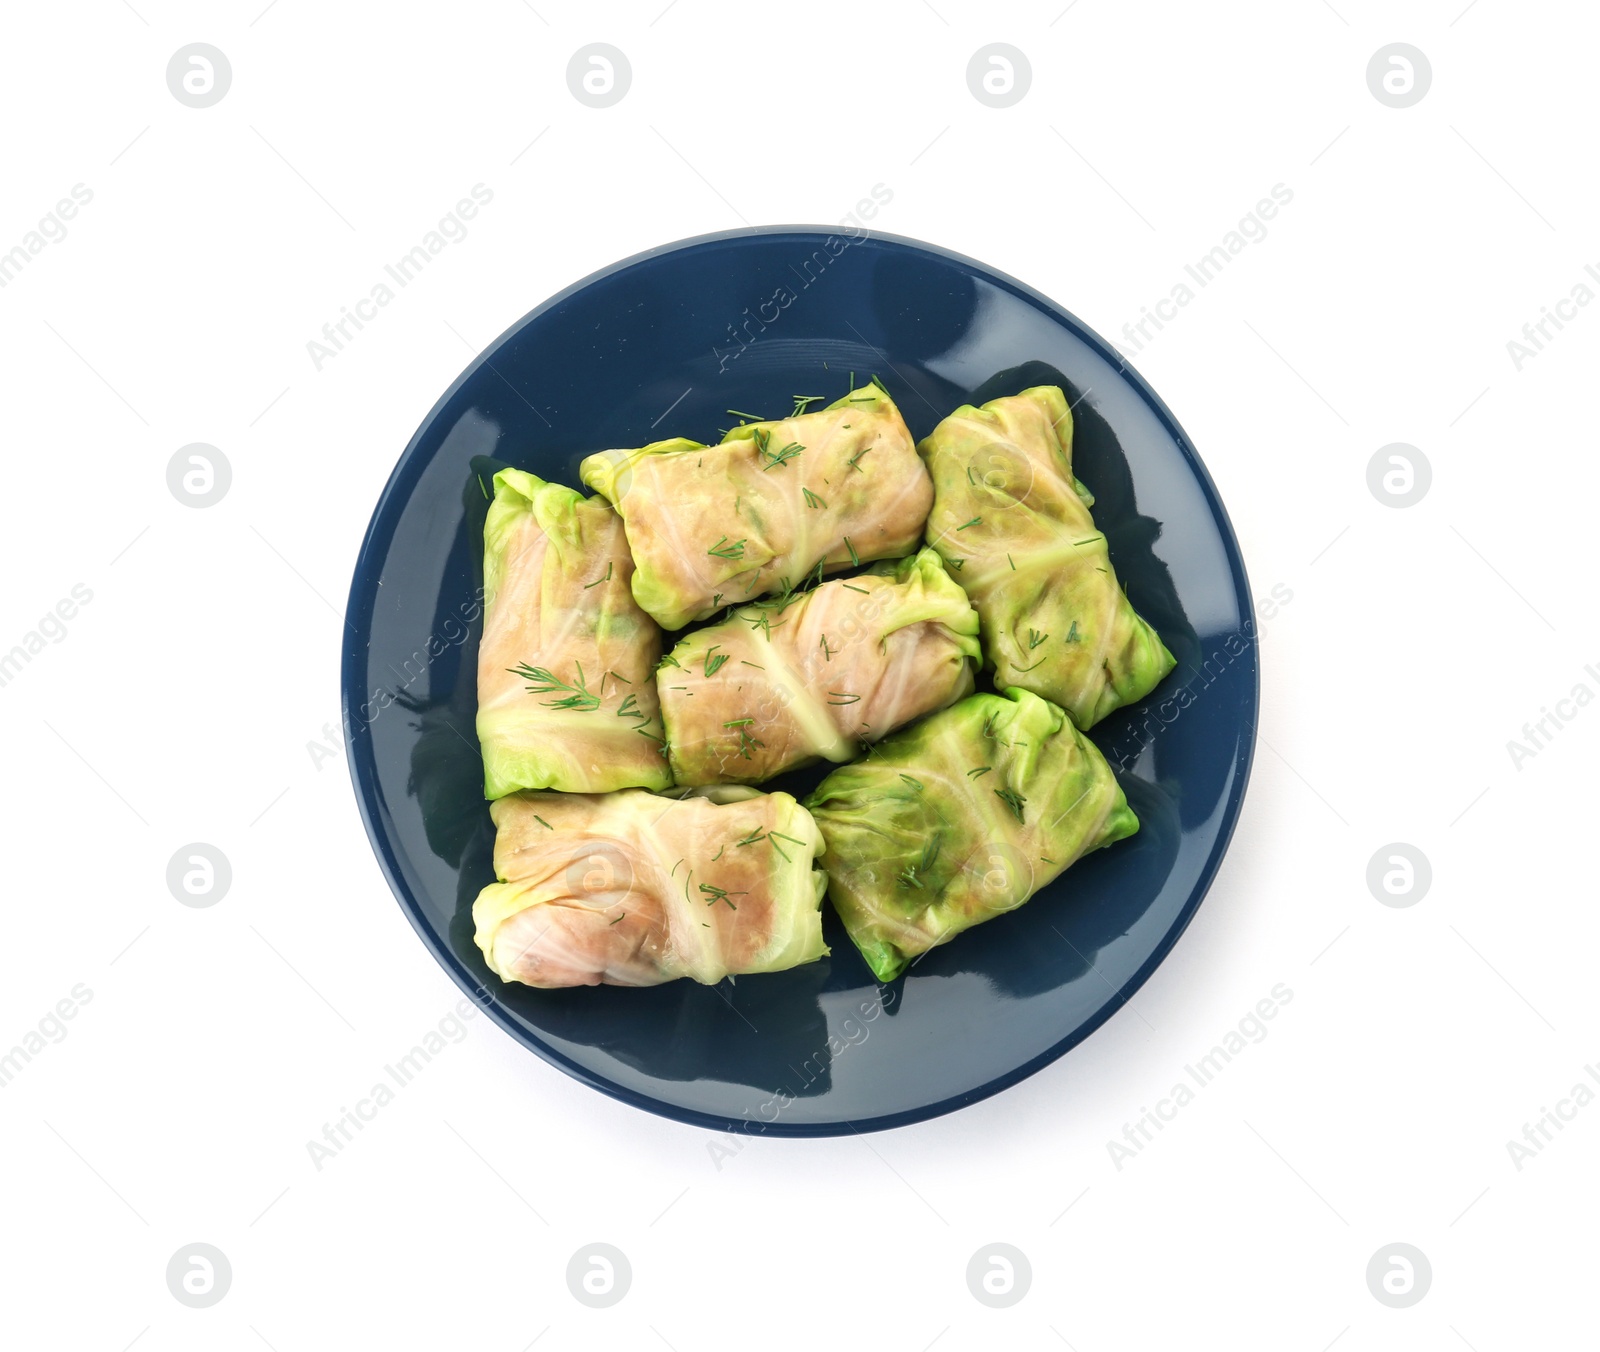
(812,500)
(1013,800)
(973,522)
(545,682)
(714,660)
(599,580)
(723,550)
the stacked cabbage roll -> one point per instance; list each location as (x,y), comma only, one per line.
(961,818)
(566,689)
(718,525)
(1012,520)
(817,675)
(633,889)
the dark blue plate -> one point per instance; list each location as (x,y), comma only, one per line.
(662,344)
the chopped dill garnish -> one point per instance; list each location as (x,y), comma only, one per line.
(545,682)
(542,822)
(957,564)
(716,599)
(917,784)
(879,383)
(723,550)
(599,580)
(1087,540)
(756,665)
(812,500)
(862,590)
(1029,667)
(714,659)
(748,417)
(1072,633)
(973,522)
(1012,799)
(738,722)
(854,561)
(839,697)
(778,457)
(716,894)
(827,652)
(756,835)
(970,479)
(623,916)
(776,836)
(980,772)
(668,660)
(854,459)
(1035,638)
(630,709)
(718,855)
(481,488)
(802,400)
(623,679)
(1012,562)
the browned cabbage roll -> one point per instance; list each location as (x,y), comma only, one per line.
(566,690)
(718,525)
(814,675)
(633,889)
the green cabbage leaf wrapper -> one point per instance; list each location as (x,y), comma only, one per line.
(815,675)
(961,818)
(633,888)
(566,687)
(719,525)
(1012,522)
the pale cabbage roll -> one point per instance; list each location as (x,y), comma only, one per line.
(959,819)
(634,889)
(566,689)
(711,526)
(817,674)
(1012,521)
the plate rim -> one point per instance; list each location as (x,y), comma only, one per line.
(361,604)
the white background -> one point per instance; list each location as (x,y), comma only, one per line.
(184,700)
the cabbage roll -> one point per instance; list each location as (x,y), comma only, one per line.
(1012,520)
(813,675)
(959,819)
(717,525)
(633,889)
(566,689)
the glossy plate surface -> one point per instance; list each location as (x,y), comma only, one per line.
(663,344)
